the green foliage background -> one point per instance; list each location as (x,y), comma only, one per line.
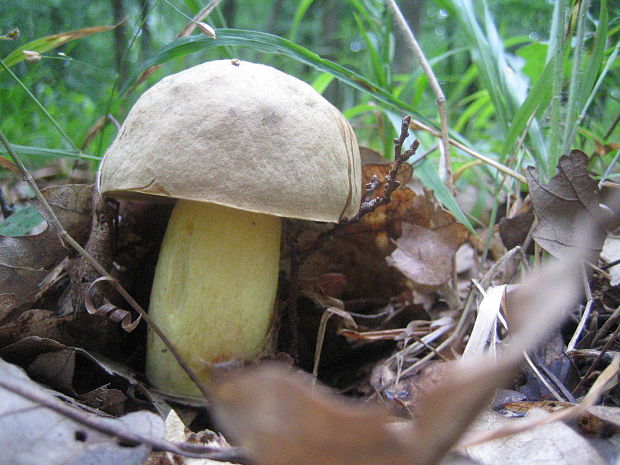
(523,81)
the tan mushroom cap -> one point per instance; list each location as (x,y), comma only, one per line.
(238,134)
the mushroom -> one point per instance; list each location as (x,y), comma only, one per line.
(239,145)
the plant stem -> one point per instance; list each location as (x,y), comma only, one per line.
(489,161)
(570,122)
(556,53)
(445,165)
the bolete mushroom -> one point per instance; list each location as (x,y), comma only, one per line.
(238,145)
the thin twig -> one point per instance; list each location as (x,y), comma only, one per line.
(115,429)
(66,238)
(445,166)
(415,124)
(371,204)
(610,342)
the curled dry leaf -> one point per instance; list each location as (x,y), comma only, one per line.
(571,196)
(363,246)
(26,260)
(206,29)
(31,57)
(92,379)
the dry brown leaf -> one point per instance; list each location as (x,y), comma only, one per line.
(513,231)
(279,419)
(363,246)
(571,195)
(26,260)
(425,256)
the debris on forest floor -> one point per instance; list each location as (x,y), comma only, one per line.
(395,310)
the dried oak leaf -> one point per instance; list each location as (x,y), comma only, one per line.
(424,254)
(514,231)
(571,196)
(26,260)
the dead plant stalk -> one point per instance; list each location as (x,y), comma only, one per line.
(445,165)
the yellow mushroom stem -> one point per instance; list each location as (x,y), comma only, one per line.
(214,291)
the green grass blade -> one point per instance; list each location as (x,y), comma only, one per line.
(610,62)
(483,56)
(537,101)
(50,153)
(44,44)
(429,176)
(575,83)
(556,55)
(589,83)
(59,128)
(269,43)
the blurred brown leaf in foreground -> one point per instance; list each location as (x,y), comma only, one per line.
(281,420)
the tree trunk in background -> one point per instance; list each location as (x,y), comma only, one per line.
(413,11)
(228,11)
(145,39)
(276,13)
(120,37)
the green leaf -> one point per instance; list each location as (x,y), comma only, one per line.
(538,99)
(427,173)
(21,222)
(269,43)
(46,152)
(594,62)
(535,56)
(44,44)
(321,82)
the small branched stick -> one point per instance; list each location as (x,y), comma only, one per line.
(368,205)
(371,204)
(391,184)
